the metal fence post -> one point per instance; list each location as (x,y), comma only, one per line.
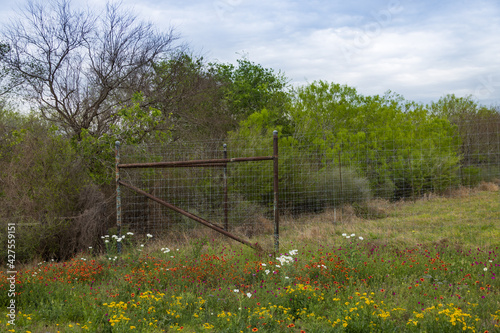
(275,186)
(226,222)
(118,196)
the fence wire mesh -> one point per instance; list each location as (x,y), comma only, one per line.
(359,184)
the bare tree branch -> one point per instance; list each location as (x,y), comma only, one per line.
(75,65)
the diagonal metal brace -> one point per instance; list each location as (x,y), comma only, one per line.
(211,225)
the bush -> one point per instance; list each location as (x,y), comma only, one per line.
(45,191)
(328,187)
(470,176)
(383,137)
(305,183)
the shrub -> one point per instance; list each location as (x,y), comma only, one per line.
(305,183)
(328,187)
(470,176)
(45,190)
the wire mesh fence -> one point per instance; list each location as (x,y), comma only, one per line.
(359,183)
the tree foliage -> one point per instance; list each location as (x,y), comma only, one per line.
(477,126)
(249,88)
(45,188)
(187,93)
(391,141)
(397,145)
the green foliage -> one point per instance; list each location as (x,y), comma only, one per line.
(42,178)
(190,94)
(400,147)
(476,125)
(38,165)
(470,176)
(385,138)
(457,109)
(249,88)
(135,124)
(303,184)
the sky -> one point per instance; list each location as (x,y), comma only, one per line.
(421,50)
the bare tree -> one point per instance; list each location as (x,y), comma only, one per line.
(77,66)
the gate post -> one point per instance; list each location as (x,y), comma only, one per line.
(275,185)
(118,197)
(226,223)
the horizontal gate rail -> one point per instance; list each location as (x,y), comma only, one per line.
(211,162)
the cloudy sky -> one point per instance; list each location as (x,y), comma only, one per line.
(419,49)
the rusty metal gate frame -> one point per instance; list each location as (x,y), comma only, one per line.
(200,163)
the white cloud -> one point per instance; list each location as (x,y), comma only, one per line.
(420,49)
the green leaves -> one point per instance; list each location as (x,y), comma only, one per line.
(136,123)
(399,146)
(249,88)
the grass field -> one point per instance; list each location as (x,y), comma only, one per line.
(423,266)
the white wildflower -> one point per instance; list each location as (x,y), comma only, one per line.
(284,259)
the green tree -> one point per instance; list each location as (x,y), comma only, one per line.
(248,87)
(190,96)
(391,141)
(305,184)
(44,186)
(400,147)
(477,126)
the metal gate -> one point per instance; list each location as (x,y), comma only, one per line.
(194,164)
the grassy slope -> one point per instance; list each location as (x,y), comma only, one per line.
(471,220)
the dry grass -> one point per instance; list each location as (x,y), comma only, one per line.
(459,216)
(462,191)
(490,187)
